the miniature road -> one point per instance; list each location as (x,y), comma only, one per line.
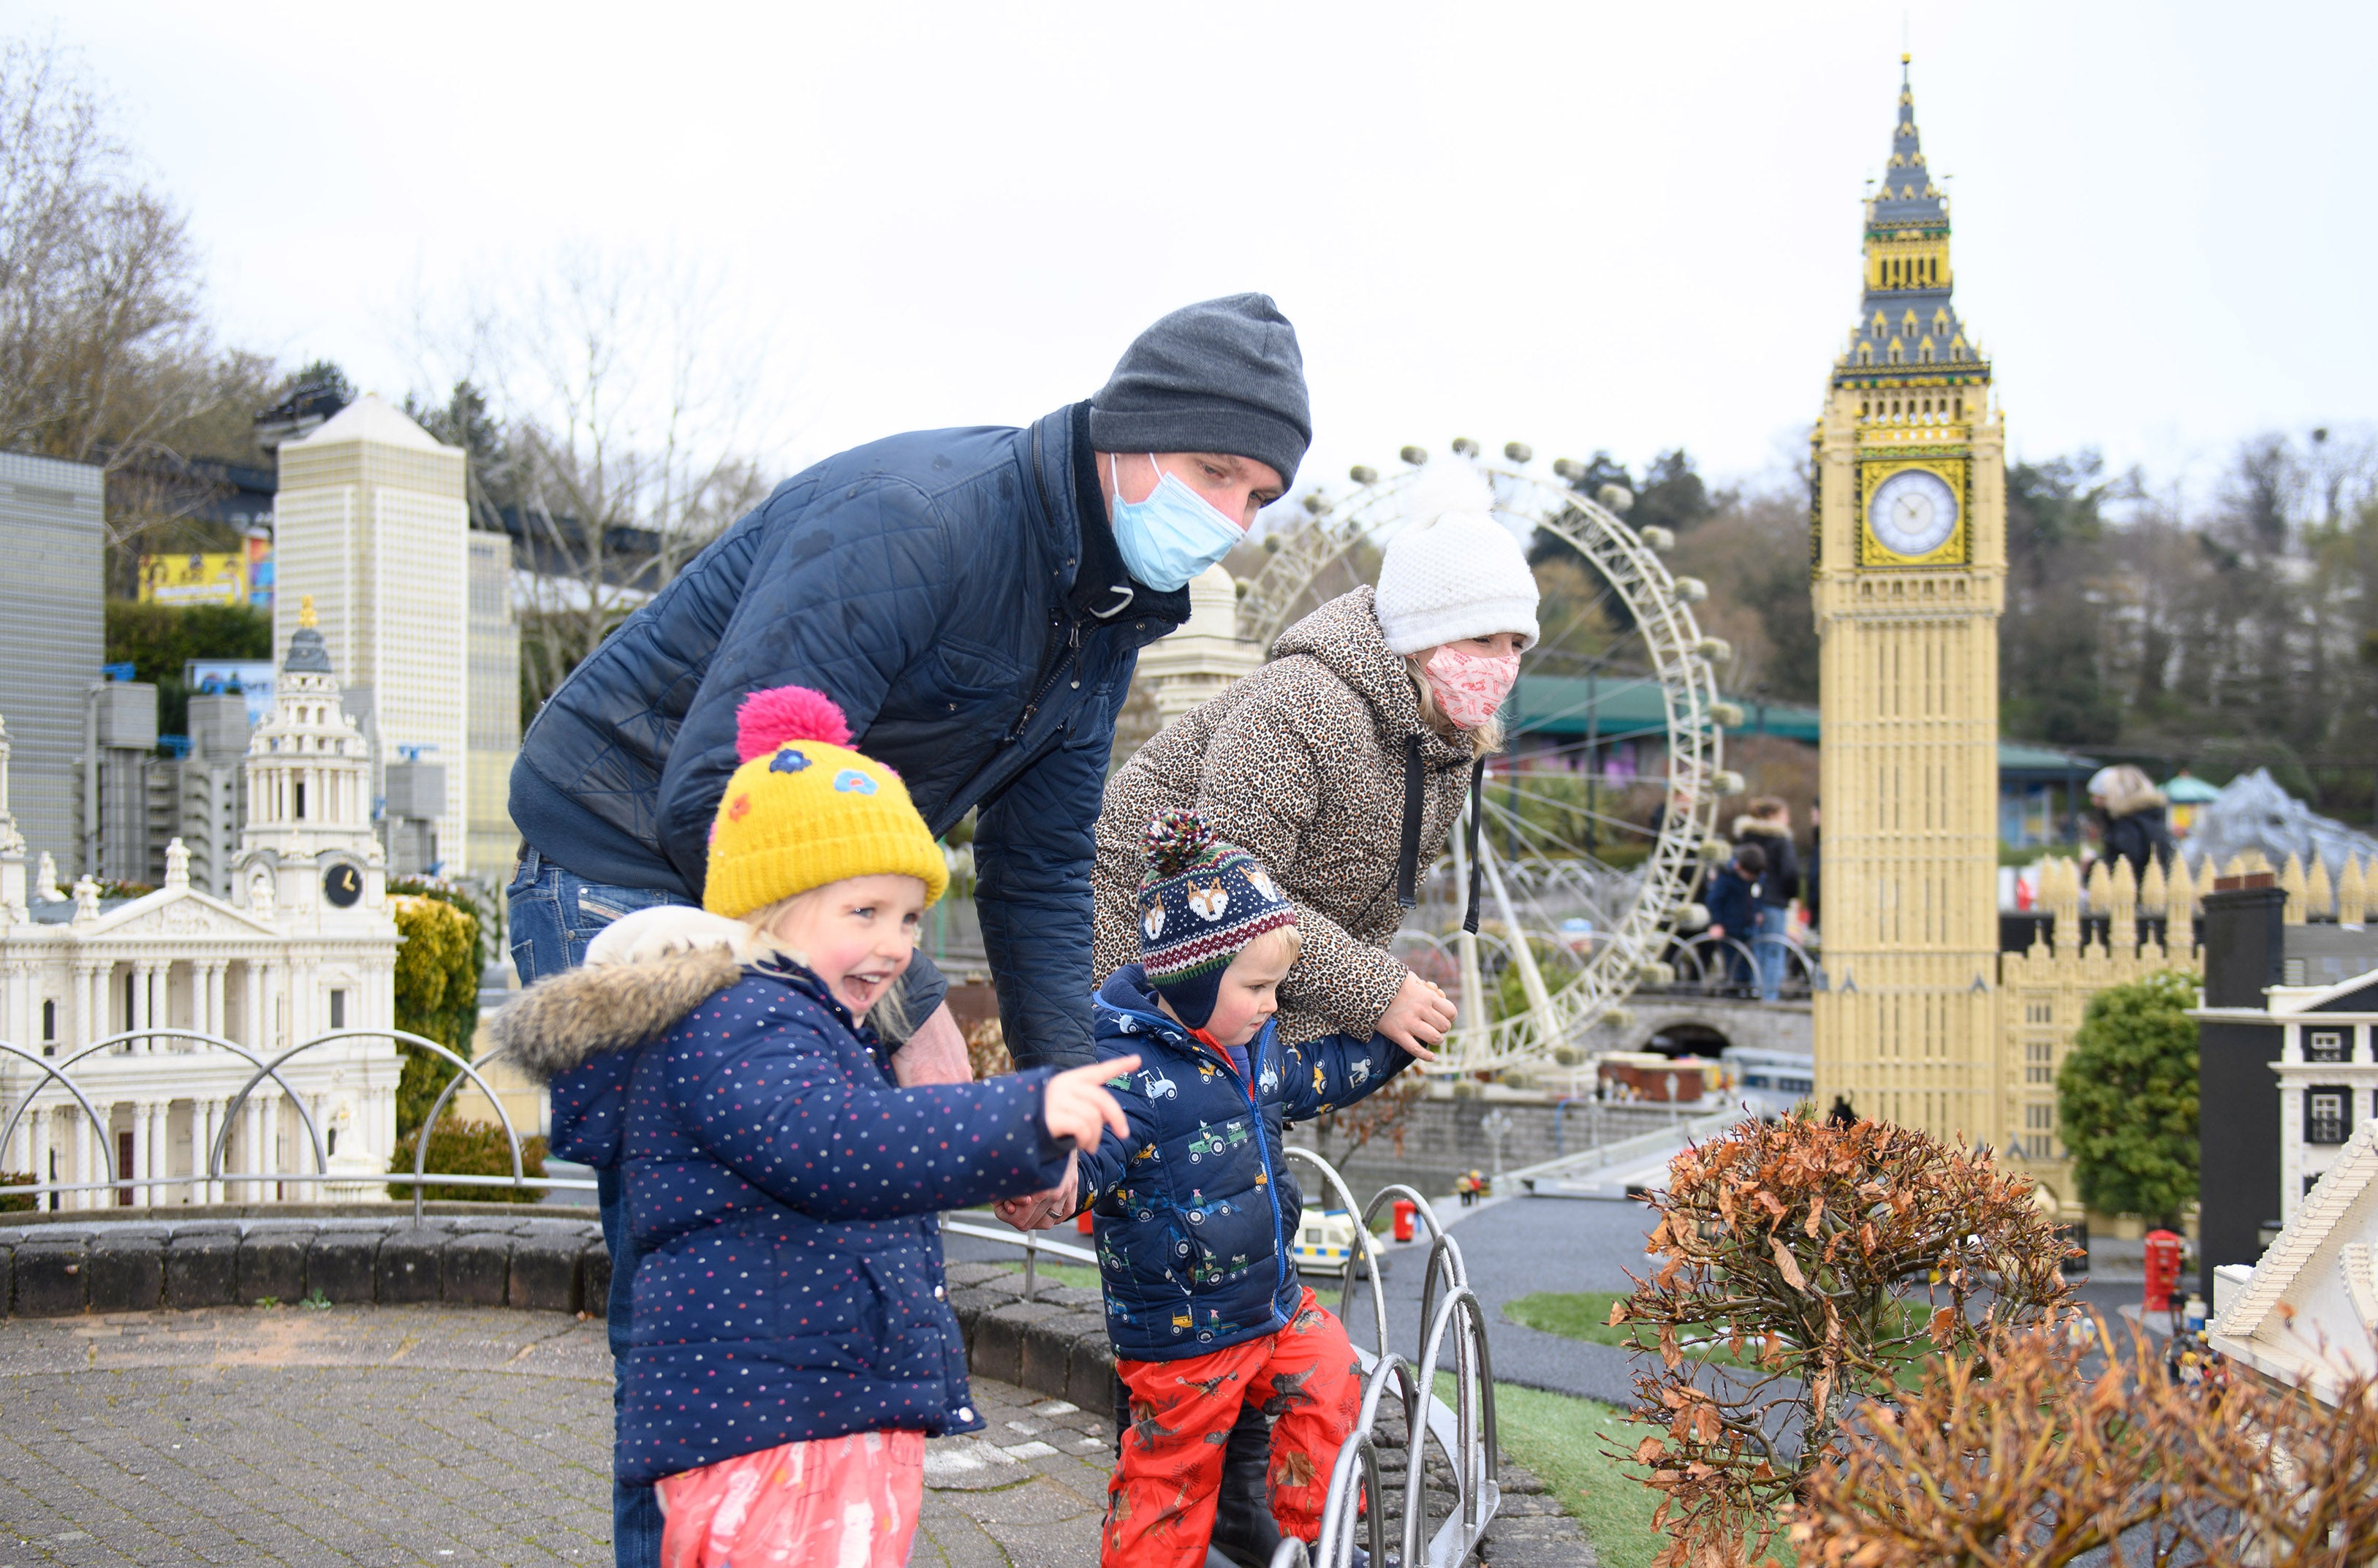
(433,1435)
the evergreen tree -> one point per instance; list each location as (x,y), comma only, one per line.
(2053,683)
(2127,1099)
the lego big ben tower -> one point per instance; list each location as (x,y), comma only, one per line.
(1910,558)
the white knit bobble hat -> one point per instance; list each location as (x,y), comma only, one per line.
(1454,571)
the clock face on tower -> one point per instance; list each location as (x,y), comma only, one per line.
(343,884)
(1912,513)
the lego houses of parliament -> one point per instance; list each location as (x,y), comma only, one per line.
(1922,1022)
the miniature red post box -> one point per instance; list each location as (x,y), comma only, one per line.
(1404,1209)
(2163,1269)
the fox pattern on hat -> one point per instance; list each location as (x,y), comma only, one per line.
(1201,900)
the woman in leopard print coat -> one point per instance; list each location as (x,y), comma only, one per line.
(1342,764)
(1309,764)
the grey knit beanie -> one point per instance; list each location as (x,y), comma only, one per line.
(1221,375)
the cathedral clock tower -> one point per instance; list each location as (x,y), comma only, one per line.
(1909,566)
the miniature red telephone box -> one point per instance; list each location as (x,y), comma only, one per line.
(2163,1269)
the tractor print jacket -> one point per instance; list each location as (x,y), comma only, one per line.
(1195,1211)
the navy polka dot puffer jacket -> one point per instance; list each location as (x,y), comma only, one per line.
(782,1191)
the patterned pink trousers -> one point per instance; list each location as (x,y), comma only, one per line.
(838,1502)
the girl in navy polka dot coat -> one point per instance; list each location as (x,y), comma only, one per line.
(782,1189)
(780,1185)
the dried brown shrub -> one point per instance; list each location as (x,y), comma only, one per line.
(2028,1459)
(986,1046)
(1798,1246)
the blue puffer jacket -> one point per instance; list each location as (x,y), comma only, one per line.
(783,1193)
(1196,1212)
(959,593)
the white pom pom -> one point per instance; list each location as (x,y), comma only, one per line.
(1449,487)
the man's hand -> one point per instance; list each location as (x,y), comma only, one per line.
(1038,1211)
(1418,1018)
(936,1053)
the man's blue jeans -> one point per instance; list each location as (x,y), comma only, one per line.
(1767,947)
(553,914)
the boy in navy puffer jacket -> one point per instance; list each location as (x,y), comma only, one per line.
(792,1345)
(1193,1206)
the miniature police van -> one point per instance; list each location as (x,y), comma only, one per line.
(1325,1240)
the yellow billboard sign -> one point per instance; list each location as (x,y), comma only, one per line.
(195,578)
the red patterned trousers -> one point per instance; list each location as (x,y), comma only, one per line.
(1161,1502)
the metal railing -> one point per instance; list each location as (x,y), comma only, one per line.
(1032,1244)
(1642,1144)
(1728,967)
(1464,1434)
(56,1071)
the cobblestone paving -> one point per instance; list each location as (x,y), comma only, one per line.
(439,1435)
(358,1435)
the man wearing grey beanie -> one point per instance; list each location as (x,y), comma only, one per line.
(974,601)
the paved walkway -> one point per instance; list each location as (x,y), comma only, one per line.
(435,1435)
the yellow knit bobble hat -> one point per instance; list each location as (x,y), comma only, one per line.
(804,810)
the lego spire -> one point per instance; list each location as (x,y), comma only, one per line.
(1907,328)
(1907,194)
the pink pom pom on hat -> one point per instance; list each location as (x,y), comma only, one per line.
(766,720)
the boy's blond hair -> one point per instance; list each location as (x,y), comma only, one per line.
(1281,942)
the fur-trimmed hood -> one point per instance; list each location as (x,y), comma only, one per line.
(568,1019)
(1760,826)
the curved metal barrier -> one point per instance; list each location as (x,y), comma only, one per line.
(1728,967)
(56,1071)
(1464,1435)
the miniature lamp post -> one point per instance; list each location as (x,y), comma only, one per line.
(1496,1125)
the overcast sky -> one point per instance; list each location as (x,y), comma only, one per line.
(1580,225)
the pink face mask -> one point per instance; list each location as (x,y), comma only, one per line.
(1469,688)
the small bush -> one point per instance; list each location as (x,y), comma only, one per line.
(2040,1454)
(436,995)
(469,1148)
(2126,1098)
(12,1204)
(1829,1258)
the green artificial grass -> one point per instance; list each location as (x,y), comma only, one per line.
(1080,1275)
(1585,1314)
(1561,1439)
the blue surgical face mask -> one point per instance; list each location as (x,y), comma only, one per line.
(1172,535)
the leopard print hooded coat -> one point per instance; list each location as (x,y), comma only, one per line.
(1303,764)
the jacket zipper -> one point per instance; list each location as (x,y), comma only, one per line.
(1052,666)
(1271,1179)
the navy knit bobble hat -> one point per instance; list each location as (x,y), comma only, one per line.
(1221,375)
(1201,900)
